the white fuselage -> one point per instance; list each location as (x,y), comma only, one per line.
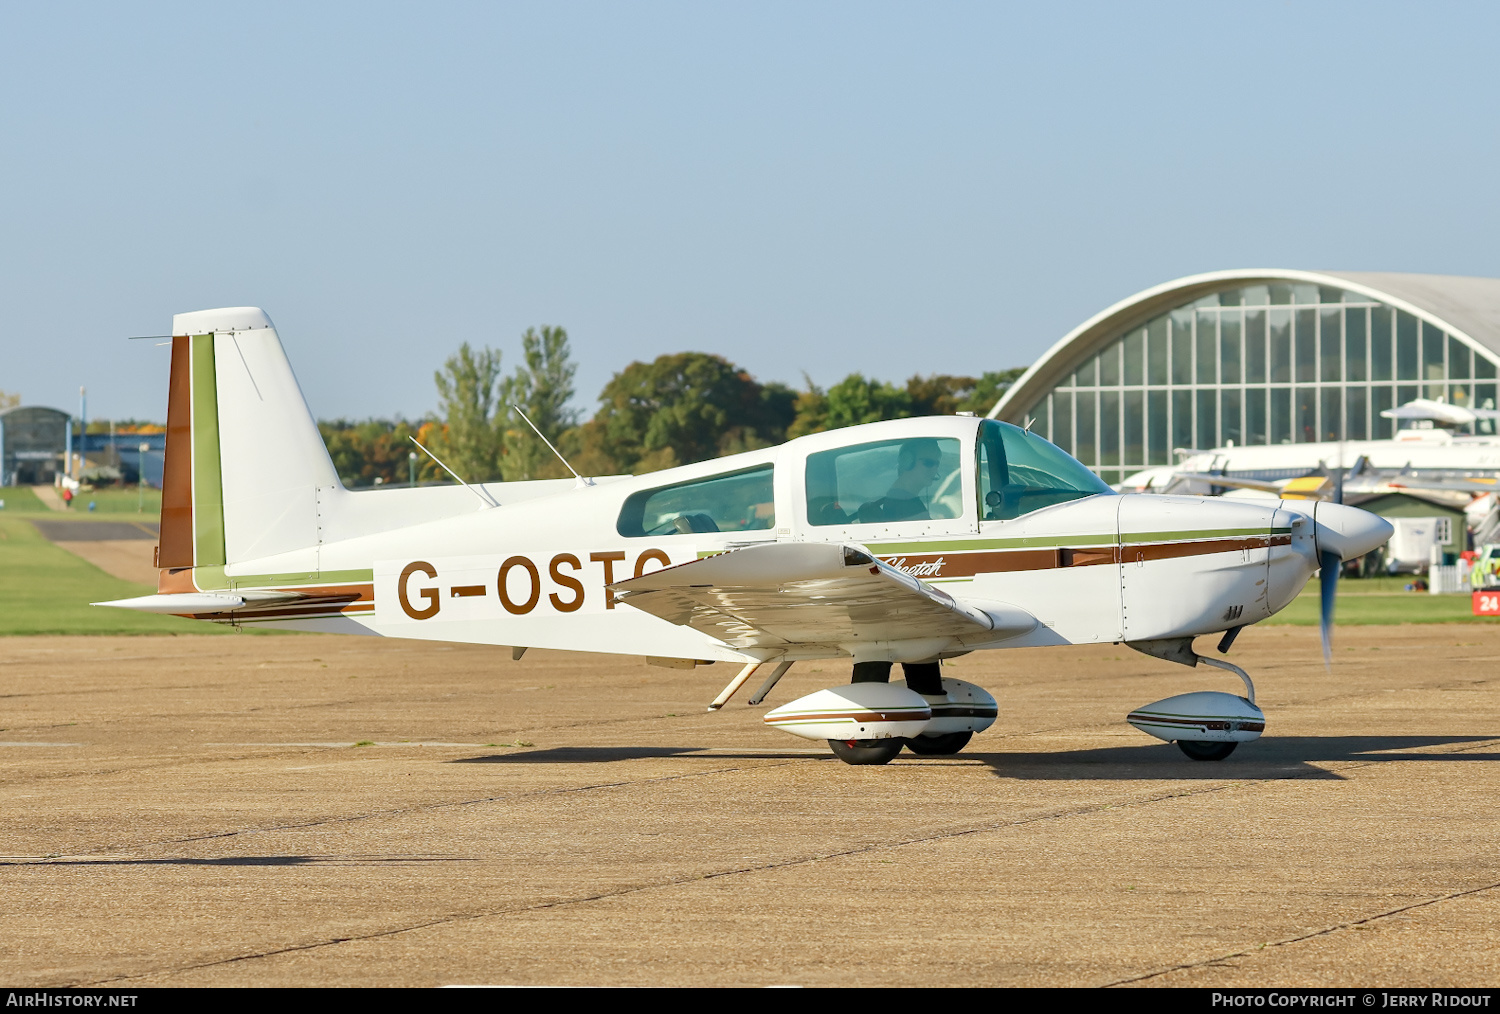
(533,573)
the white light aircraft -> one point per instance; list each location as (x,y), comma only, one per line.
(908,541)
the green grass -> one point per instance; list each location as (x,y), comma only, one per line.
(47,590)
(1373,585)
(1379,601)
(111,501)
(118,501)
(20,499)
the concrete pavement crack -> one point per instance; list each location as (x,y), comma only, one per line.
(1288,941)
(786,864)
(666,884)
(1327,929)
(432,807)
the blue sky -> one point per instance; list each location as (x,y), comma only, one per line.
(800,187)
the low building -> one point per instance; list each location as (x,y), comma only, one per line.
(33,444)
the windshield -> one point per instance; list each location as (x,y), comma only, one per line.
(1020,472)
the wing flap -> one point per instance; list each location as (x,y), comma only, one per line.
(800,593)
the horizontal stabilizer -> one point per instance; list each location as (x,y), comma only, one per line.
(199,602)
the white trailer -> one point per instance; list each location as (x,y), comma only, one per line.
(1411,548)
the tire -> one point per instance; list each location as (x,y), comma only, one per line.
(866,751)
(1201,751)
(939,746)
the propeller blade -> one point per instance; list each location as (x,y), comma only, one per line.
(1329,579)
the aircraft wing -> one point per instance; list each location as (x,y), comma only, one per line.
(782,594)
(1462,484)
(1264,485)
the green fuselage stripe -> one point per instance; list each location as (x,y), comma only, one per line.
(214,579)
(1061,541)
(208,480)
(283,580)
(1141,538)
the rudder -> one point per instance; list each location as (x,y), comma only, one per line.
(245,465)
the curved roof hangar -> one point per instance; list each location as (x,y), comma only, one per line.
(1466,307)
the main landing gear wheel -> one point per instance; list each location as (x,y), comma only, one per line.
(1205,751)
(866,751)
(939,746)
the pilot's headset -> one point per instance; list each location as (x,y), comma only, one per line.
(914,450)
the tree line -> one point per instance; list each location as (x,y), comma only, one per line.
(677,409)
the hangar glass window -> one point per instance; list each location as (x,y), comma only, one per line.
(736,502)
(1277,362)
(1020,472)
(916,479)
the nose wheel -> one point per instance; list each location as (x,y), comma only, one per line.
(1201,751)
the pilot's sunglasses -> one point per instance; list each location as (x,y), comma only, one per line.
(930,462)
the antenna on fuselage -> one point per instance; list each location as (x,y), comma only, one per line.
(484,497)
(581,480)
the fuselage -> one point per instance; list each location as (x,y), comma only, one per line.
(1090,565)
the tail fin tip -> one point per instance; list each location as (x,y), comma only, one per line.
(227,318)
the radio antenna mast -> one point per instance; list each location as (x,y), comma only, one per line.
(484,496)
(581,480)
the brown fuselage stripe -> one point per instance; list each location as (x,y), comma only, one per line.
(280,614)
(849,716)
(242,616)
(969,564)
(1174,550)
(1219,724)
(327,600)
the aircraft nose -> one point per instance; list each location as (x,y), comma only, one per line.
(1349,531)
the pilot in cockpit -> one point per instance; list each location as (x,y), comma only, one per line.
(916,467)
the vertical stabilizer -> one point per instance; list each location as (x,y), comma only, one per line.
(245,465)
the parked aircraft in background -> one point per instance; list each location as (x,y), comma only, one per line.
(902,542)
(1431,461)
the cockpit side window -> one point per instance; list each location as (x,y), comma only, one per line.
(735,502)
(916,479)
(1020,472)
